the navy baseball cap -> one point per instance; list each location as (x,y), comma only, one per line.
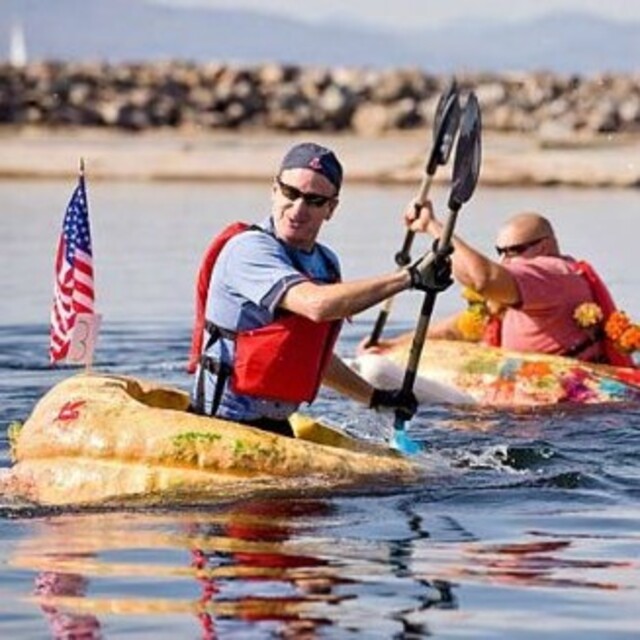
(308,155)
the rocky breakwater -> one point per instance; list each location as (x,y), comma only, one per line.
(291,98)
(552,111)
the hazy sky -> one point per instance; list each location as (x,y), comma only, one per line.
(425,12)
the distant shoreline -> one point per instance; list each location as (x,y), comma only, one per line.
(250,155)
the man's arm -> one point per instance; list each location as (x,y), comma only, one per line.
(346,381)
(470,267)
(322,302)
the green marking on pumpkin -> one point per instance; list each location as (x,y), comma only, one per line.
(186,446)
(255,450)
(13,433)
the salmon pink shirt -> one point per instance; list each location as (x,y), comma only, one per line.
(550,291)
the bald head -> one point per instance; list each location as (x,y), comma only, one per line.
(526,227)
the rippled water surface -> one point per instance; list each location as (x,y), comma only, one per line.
(529,524)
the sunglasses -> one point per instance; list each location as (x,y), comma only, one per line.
(310,199)
(518,249)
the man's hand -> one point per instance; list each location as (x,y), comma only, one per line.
(431,272)
(403,402)
(418,215)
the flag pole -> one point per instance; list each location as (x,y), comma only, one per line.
(89,363)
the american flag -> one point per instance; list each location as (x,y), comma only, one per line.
(73,287)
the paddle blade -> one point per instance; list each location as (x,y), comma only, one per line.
(466,166)
(401,442)
(450,91)
(446,122)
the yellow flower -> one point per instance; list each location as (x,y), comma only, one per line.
(588,314)
(471,322)
(471,295)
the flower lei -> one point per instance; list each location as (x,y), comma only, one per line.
(618,327)
(472,321)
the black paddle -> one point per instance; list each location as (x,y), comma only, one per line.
(445,127)
(466,168)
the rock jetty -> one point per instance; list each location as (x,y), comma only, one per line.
(287,98)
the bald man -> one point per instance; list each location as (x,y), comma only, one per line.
(536,287)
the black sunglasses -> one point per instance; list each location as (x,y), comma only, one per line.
(311,199)
(518,249)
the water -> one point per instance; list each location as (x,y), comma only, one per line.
(528,527)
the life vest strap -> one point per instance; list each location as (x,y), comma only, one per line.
(583,345)
(215,332)
(211,365)
(222,372)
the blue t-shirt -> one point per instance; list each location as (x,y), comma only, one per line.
(251,275)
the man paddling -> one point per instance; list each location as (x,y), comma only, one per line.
(533,290)
(275,301)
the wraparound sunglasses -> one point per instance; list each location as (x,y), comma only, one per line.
(518,249)
(312,199)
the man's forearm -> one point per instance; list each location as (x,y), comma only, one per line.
(344,380)
(320,302)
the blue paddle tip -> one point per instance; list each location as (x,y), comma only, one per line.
(401,442)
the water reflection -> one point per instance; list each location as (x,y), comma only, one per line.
(256,552)
(435,593)
(293,568)
(267,562)
(51,589)
(538,563)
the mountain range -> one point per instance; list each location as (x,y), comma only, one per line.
(124,30)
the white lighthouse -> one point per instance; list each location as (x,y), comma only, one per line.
(17,46)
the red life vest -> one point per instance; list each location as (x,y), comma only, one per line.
(284,360)
(604,300)
(202,288)
(493,335)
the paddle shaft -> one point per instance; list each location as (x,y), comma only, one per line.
(426,311)
(420,335)
(403,257)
